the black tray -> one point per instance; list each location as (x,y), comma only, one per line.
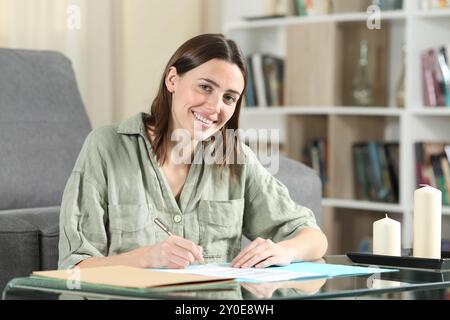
(406,260)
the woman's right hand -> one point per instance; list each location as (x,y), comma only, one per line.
(173,253)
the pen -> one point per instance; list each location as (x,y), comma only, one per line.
(163,226)
(166,230)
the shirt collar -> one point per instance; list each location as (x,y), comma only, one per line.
(133,125)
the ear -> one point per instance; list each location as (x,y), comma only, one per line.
(171,78)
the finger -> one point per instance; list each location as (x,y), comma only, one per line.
(188,245)
(249,254)
(258,257)
(178,262)
(202,261)
(267,263)
(182,253)
(251,246)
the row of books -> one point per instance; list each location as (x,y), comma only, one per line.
(376,171)
(434,4)
(312,7)
(436,76)
(433,167)
(324,7)
(265,85)
(315,154)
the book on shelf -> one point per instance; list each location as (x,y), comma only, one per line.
(361,177)
(393,155)
(299,8)
(315,154)
(250,92)
(433,167)
(376,171)
(325,7)
(265,86)
(302,8)
(311,7)
(436,76)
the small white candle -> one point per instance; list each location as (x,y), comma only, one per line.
(387,237)
(427,223)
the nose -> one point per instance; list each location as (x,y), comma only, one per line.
(214,103)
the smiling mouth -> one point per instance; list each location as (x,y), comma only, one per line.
(205,122)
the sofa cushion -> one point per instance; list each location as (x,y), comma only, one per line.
(303,183)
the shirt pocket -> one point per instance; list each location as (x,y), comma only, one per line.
(130,227)
(220,224)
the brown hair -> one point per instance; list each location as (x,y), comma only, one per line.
(190,55)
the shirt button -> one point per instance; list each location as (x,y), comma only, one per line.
(177,218)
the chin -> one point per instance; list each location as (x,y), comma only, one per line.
(202,134)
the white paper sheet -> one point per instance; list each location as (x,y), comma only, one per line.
(259,275)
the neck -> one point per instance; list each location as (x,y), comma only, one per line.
(188,149)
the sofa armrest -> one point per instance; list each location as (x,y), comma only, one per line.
(46,220)
(28,241)
(19,248)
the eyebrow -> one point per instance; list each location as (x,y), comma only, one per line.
(218,86)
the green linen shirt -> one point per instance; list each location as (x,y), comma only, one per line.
(117,188)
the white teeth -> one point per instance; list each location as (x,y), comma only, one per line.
(204,120)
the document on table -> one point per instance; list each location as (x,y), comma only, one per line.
(247,274)
(300,271)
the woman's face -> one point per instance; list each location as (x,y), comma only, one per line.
(204,98)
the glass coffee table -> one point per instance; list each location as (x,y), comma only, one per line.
(404,284)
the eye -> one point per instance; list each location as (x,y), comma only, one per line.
(230,99)
(206,87)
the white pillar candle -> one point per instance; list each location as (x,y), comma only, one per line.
(427,223)
(387,237)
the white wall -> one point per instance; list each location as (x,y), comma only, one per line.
(118,53)
(151,31)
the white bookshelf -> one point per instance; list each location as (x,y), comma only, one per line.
(432,13)
(283,22)
(362,205)
(419,30)
(311,110)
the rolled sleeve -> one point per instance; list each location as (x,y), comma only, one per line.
(82,222)
(83,215)
(269,211)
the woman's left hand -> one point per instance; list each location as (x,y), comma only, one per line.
(262,253)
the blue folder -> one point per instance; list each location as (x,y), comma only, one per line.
(332,270)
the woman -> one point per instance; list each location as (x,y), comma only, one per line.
(129,174)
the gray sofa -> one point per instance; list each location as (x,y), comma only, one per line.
(43,124)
